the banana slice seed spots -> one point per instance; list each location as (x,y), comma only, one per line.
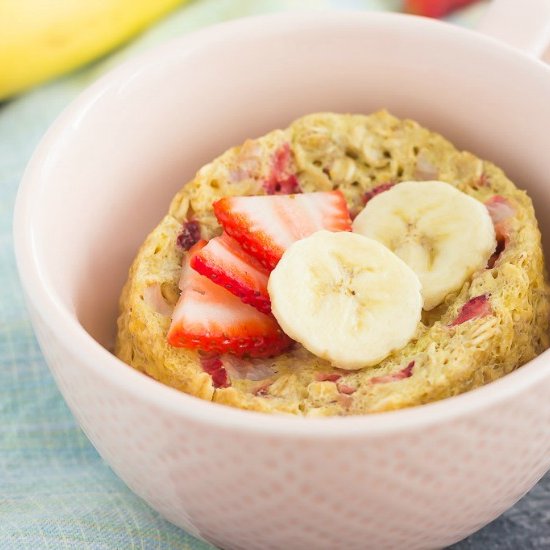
(420,252)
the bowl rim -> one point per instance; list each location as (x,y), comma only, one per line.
(43,301)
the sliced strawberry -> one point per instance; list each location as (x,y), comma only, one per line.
(434,8)
(225,263)
(377,190)
(210,318)
(475,308)
(282,180)
(266,226)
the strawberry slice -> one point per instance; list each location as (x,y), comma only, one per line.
(265,226)
(434,8)
(225,263)
(208,317)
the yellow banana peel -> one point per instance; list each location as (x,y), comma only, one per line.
(41,39)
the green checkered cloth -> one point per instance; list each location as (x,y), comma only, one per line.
(55,490)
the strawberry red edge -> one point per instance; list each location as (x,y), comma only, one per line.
(254,346)
(235,228)
(218,276)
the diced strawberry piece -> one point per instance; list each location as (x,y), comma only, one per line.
(345,400)
(210,318)
(377,190)
(190,234)
(220,378)
(501,232)
(404,373)
(344,388)
(282,180)
(502,241)
(225,263)
(211,362)
(327,376)
(284,186)
(213,365)
(246,368)
(265,226)
(475,308)
(434,8)
(499,208)
(483,180)
(281,160)
(263,389)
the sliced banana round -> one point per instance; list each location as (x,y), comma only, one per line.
(345,298)
(443,234)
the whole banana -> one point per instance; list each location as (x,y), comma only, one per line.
(41,39)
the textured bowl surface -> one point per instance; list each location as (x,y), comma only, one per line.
(102,178)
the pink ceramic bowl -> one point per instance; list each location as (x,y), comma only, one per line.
(102,178)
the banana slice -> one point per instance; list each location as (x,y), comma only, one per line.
(443,234)
(345,298)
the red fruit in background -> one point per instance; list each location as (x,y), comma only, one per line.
(434,8)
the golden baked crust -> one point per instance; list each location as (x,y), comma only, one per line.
(353,153)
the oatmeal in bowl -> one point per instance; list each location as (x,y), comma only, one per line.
(257,289)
